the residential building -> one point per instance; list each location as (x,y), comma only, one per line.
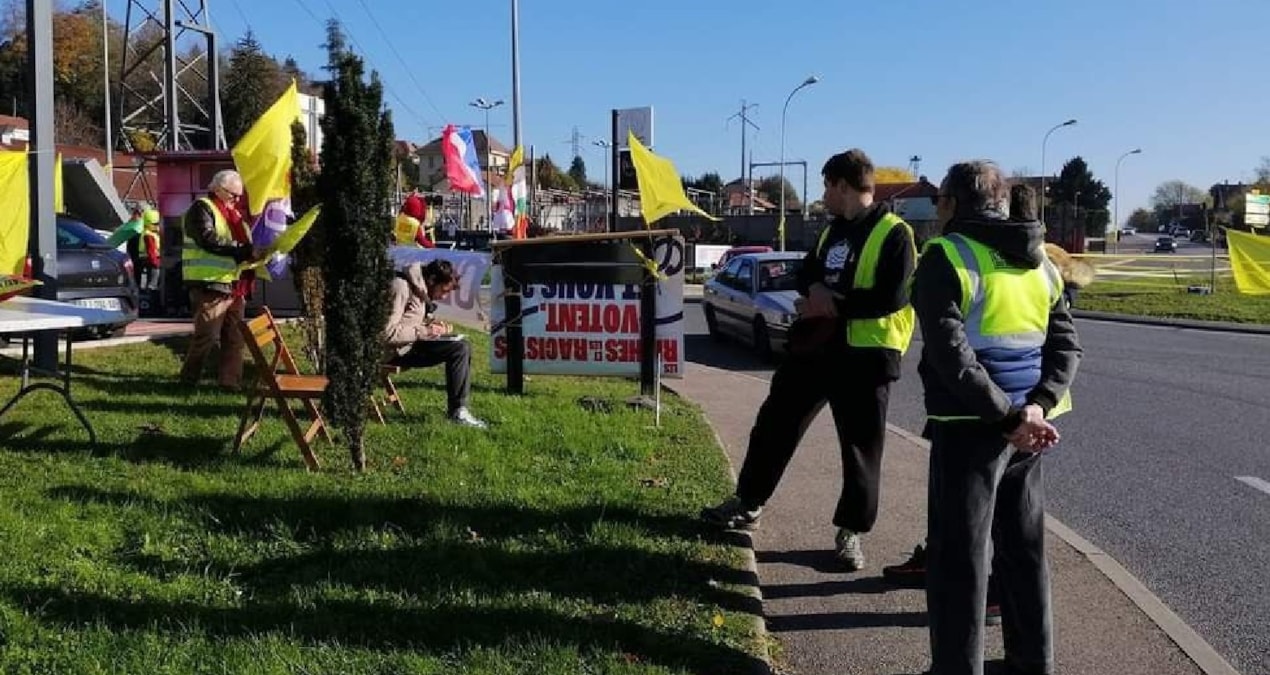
(312,108)
(740,193)
(493,156)
(914,202)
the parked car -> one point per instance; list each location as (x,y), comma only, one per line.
(735,251)
(752,297)
(91,273)
(1166,245)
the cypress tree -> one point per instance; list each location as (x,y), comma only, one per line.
(355,188)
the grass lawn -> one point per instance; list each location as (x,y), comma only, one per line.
(560,541)
(1162,301)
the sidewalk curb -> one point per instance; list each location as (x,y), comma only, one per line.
(1191,644)
(745,540)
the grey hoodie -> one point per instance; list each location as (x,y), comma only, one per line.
(951,375)
(409,313)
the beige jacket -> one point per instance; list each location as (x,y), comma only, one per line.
(409,315)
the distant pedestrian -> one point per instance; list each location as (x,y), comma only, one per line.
(854,324)
(999,354)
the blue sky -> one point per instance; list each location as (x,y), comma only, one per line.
(943,80)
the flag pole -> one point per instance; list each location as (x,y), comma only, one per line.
(516,72)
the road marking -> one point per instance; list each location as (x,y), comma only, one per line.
(1255,483)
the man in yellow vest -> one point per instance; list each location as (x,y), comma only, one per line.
(217,240)
(854,325)
(999,351)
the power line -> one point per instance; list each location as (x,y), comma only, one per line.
(243,15)
(391,92)
(392,47)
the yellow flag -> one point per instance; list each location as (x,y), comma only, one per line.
(661,193)
(15,222)
(1250,261)
(263,155)
(287,241)
(59,192)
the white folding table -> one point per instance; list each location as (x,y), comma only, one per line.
(25,316)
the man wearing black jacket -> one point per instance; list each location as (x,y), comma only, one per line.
(854,325)
(999,351)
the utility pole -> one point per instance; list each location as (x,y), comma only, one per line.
(743,115)
(575,141)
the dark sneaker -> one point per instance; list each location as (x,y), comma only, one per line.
(732,514)
(848,550)
(911,573)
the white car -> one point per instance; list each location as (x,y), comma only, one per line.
(752,297)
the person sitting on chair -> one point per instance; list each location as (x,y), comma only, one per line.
(415,338)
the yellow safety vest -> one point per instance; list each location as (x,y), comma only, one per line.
(1005,310)
(405,228)
(201,266)
(895,330)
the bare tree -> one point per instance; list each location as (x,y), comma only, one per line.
(1173,193)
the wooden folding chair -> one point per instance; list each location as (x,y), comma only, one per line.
(391,396)
(279,378)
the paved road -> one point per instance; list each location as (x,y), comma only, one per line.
(1167,421)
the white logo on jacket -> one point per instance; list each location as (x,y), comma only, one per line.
(835,261)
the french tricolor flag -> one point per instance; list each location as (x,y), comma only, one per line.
(462,164)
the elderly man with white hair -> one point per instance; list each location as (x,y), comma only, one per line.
(217,240)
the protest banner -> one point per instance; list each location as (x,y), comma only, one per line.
(573,327)
(464,305)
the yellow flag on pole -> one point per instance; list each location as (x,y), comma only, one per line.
(263,155)
(661,192)
(15,222)
(59,191)
(1250,261)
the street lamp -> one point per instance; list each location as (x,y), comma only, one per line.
(1056,127)
(604,146)
(487,106)
(1115,224)
(806,83)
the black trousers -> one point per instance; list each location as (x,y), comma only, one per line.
(800,388)
(981,491)
(457,357)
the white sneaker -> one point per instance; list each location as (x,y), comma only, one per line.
(464,417)
(847,549)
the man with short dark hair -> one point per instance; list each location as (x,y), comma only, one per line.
(415,338)
(999,352)
(854,325)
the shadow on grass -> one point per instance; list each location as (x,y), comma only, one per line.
(502,567)
(380,626)
(180,452)
(315,518)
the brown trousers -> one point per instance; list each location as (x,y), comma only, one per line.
(216,317)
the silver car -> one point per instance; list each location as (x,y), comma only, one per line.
(752,297)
